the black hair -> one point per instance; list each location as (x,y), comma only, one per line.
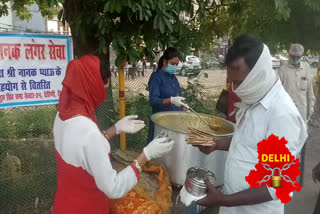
(169,53)
(246,46)
(105,72)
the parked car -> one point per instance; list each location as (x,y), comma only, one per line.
(186,71)
(192,62)
(275,62)
(305,59)
(313,61)
(192,66)
(281,58)
(211,62)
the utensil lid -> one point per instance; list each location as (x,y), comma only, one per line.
(199,175)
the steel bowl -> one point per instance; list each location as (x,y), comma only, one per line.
(195,181)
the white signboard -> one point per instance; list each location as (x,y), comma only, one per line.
(32,68)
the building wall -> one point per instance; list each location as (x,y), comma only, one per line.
(37,24)
(6,22)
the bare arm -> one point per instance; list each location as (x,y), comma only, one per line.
(110,133)
(246,197)
(221,144)
(142,160)
(166,102)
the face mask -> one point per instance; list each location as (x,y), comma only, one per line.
(295,62)
(171,69)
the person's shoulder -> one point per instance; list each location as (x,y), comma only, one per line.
(305,65)
(282,104)
(84,125)
(156,75)
(90,130)
(284,66)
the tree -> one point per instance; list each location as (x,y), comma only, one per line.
(135,28)
(277,22)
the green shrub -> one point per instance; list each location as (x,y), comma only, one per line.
(27,122)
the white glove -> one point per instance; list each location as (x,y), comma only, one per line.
(129,124)
(177,101)
(157,148)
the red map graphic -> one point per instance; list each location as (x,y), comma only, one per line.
(273,148)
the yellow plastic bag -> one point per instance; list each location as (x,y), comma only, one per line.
(146,198)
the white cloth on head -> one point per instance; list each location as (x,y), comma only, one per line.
(253,89)
(187,199)
(296,50)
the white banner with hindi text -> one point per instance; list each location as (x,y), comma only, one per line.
(32,68)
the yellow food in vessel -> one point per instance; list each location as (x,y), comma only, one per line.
(181,123)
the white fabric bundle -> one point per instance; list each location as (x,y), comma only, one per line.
(256,85)
(187,199)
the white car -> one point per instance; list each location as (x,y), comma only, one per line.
(313,61)
(192,62)
(275,62)
(282,58)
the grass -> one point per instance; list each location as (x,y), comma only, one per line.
(27,122)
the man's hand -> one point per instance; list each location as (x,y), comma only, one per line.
(214,197)
(316,173)
(206,149)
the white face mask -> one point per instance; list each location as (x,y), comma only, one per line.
(259,80)
(257,84)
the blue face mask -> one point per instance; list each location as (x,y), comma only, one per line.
(295,62)
(171,69)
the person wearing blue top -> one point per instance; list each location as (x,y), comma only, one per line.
(164,89)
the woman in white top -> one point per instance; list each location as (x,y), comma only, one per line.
(86,179)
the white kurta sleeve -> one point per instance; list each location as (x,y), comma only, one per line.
(97,163)
(292,128)
(310,95)
(281,74)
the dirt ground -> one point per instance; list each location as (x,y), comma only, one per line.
(215,81)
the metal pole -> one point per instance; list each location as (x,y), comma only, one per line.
(316,89)
(122,106)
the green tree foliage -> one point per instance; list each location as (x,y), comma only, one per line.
(134,28)
(277,22)
(48,8)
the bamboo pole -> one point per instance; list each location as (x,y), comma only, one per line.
(122,106)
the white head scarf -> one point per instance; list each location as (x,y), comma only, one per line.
(296,50)
(256,85)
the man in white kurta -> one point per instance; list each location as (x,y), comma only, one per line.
(296,78)
(265,109)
